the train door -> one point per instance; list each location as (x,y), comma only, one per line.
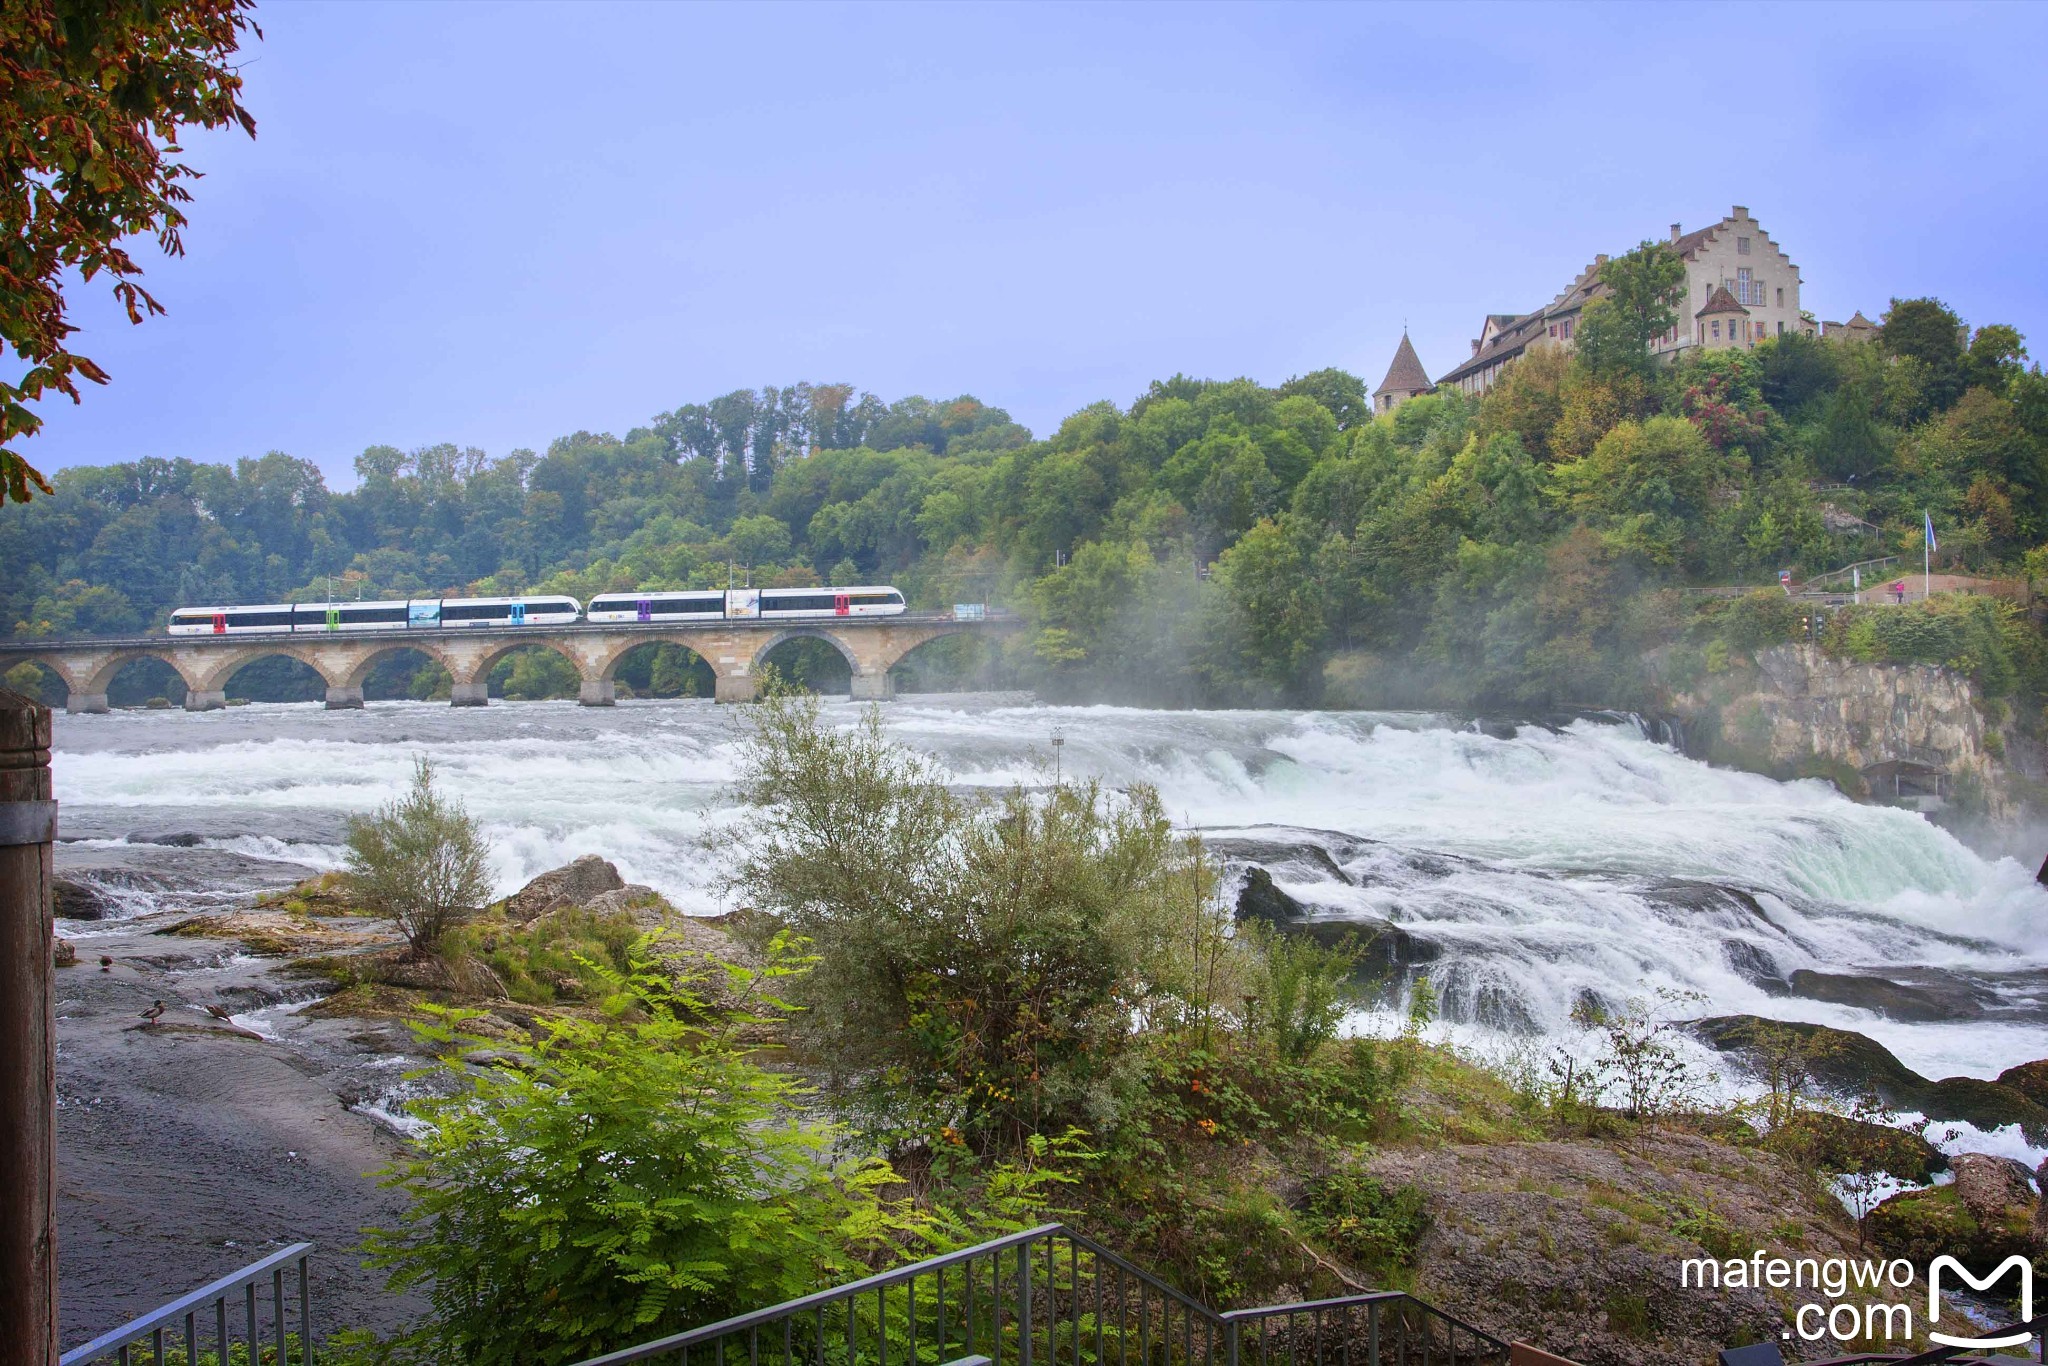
(333,617)
(220,623)
(643,610)
(519,614)
(842,605)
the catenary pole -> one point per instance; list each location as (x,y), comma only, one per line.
(28,1057)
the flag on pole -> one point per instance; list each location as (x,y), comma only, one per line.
(1856,578)
(1932,544)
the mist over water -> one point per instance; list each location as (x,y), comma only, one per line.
(1542,863)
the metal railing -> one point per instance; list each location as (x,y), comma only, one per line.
(1051,1297)
(213,1318)
(1837,578)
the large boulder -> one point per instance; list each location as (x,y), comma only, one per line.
(1837,1143)
(1983,1217)
(74,900)
(643,903)
(2030,1079)
(1996,1190)
(573,884)
(1915,1003)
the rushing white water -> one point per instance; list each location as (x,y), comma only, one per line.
(1540,866)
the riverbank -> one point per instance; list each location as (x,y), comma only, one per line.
(191,1147)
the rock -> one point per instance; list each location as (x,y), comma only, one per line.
(1985,1104)
(1836,1143)
(572,884)
(499,1057)
(1849,1063)
(64,953)
(1258,899)
(1841,1059)
(1894,1000)
(175,839)
(1994,1189)
(1923,1225)
(2030,1079)
(644,904)
(74,900)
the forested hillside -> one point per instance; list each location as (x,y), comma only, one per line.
(1213,541)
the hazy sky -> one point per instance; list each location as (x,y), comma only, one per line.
(494,225)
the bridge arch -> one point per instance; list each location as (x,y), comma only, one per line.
(483,661)
(699,654)
(112,664)
(50,669)
(359,671)
(215,678)
(972,661)
(856,667)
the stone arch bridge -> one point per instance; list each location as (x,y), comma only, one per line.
(735,650)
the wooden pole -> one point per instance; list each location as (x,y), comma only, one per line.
(28,1056)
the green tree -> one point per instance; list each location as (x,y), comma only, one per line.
(1643,290)
(94,95)
(1928,332)
(421,859)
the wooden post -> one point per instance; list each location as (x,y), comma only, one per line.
(28,1056)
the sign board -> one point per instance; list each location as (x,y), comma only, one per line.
(970,611)
(743,602)
(423,613)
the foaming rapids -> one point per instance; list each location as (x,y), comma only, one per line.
(1535,866)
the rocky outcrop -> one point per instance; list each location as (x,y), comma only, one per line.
(1796,711)
(1987,1214)
(573,884)
(1385,950)
(1849,1064)
(1575,1242)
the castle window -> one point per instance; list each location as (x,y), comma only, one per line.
(1716,325)
(1742,246)
(1781,302)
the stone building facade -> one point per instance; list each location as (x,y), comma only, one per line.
(1734,258)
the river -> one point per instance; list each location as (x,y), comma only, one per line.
(1542,862)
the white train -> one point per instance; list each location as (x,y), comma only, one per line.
(465,614)
(746,604)
(403,614)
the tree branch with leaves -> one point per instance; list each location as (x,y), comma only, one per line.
(92,96)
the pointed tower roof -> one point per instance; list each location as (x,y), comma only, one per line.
(1406,374)
(1720,301)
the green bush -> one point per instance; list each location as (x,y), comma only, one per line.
(640,1175)
(421,860)
(1377,1227)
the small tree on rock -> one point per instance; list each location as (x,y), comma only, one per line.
(420,860)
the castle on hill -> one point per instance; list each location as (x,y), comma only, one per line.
(1740,289)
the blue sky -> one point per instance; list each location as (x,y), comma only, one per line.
(494,225)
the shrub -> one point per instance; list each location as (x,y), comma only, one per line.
(1377,1227)
(420,860)
(985,966)
(642,1174)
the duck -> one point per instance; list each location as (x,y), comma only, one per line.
(156,1009)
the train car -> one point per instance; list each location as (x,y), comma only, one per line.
(414,614)
(656,607)
(797,603)
(464,614)
(260,619)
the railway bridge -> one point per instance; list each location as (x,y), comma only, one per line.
(735,651)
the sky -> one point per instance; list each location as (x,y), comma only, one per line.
(499,224)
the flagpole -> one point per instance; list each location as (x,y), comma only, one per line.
(1927,558)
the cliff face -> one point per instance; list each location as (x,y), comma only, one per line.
(1797,712)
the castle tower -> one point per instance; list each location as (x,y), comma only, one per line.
(1405,379)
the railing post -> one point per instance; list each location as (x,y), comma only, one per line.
(28,1057)
(1024,1304)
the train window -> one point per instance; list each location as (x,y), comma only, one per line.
(797,602)
(475,611)
(687,607)
(243,617)
(875,599)
(613,604)
(364,616)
